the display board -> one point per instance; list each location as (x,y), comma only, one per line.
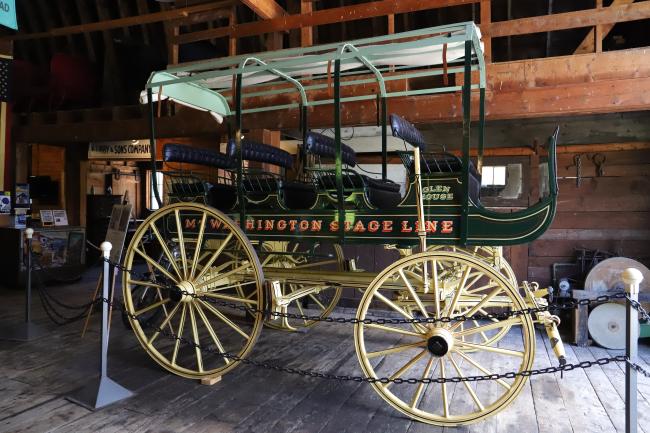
(117,227)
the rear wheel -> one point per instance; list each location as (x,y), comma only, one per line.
(296,256)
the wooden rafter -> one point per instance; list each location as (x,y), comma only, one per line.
(84,14)
(143,9)
(266,9)
(123,22)
(588,44)
(571,20)
(325,16)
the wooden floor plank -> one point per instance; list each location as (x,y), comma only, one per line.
(585,411)
(615,381)
(552,413)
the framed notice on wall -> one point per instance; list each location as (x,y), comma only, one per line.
(60,217)
(47,218)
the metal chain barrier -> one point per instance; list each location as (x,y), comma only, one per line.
(52,306)
(393,321)
(330,376)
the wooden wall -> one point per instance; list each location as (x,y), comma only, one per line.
(610,212)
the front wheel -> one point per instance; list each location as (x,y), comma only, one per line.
(203,259)
(463,286)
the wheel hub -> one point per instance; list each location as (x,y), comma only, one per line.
(187,290)
(440,342)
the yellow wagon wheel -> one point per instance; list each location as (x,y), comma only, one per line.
(465,286)
(201,258)
(318,256)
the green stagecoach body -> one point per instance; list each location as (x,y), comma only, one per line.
(451,215)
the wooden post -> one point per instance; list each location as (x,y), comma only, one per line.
(232,40)
(632,278)
(598,34)
(306,33)
(486,19)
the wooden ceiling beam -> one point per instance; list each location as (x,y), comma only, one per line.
(123,22)
(266,9)
(324,16)
(570,20)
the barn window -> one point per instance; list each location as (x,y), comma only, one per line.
(153,203)
(493,176)
(502,181)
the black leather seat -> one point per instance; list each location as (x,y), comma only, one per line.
(182,153)
(260,152)
(440,162)
(222,197)
(383,194)
(299,195)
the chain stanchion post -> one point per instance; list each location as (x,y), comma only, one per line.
(27,330)
(632,278)
(102,391)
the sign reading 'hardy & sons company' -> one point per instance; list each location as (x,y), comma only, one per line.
(119,150)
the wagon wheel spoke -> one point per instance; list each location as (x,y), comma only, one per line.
(476,307)
(468,387)
(195,336)
(406,367)
(210,330)
(395,330)
(179,334)
(484,370)
(165,249)
(420,388)
(499,350)
(513,321)
(155,264)
(395,349)
(166,322)
(229,298)
(197,248)
(445,399)
(215,256)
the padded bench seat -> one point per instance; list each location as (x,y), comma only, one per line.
(383,194)
(441,162)
(260,152)
(174,152)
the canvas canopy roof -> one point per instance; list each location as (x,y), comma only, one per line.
(299,72)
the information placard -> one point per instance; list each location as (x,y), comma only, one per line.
(8,14)
(47,218)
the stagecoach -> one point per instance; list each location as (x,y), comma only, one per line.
(251,235)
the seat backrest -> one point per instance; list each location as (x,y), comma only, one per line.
(405,130)
(174,152)
(260,152)
(322,145)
